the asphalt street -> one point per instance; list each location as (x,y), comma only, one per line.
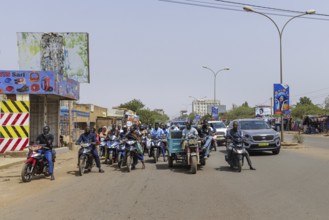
(291,185)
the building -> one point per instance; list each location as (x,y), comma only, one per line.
(160,111)
(203,107)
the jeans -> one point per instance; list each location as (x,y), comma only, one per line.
(49,157)
(96,156)
(207,145)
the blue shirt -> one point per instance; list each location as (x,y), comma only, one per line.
(87,138)
(157,133)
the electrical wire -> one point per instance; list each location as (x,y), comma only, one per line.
(229,8)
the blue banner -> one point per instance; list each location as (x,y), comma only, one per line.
(281,99)
(214,112)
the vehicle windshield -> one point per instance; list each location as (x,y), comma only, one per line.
(218,125)
(179,123)
(253,125)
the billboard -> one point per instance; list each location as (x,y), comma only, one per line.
(64,53)
(37,82)
(281,99)
(262,111)
(214,112)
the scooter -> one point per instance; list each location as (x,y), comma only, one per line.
(131,156)
(235,153)
(192,153)
(102,147)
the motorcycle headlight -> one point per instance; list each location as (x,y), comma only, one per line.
(131,142)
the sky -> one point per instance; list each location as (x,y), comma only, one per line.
(154,50)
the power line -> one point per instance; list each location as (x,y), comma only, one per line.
(229,8)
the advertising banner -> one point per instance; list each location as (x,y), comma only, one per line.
(214,112)
(281,99)
(262,111)
(64,53)
(37,82)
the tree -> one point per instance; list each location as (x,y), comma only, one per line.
(326,103)
(305,101)
(133,105)
(240,112)
(306,107)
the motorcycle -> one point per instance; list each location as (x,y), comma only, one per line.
(235,153)
(131,156)
(86,159)
(155,149)
(121,152)
(102,147)
(146,143)
(111,151)
(193,153)
(36,163)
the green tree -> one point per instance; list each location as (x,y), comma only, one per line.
(243,111)
(306,107)
(133,105)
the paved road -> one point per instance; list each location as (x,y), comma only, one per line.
(291,185)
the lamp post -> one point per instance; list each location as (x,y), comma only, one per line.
(250,9)
(215,75)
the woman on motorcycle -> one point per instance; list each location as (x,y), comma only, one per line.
(135,134)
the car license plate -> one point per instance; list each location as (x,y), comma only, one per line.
(263,144)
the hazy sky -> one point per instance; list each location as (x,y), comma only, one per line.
(154,51)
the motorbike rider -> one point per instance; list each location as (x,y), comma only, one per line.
(158,133)
(114,131)
(90,137)
(234,134)
(205,131)
(47,139)
(124,131)
(135,134)
(188,132)
(103,134)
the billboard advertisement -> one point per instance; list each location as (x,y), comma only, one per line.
(281,99)
(38,82)
(262,111)
(214,112)
(64,53)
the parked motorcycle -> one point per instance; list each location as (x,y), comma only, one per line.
(235,153)
(36,163)
(86,159)
(111,150)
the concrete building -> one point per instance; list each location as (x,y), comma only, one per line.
(203,107)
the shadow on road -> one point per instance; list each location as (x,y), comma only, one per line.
(73,172)
(227,169)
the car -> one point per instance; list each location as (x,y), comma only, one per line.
(221,131)
(259,135)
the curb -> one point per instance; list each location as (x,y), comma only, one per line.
(60,150)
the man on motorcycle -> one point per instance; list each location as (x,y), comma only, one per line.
(158,133)
(114,131)
(135,134)
(47,139)
(205,131)
(89,137)
(188,131)
(234,134)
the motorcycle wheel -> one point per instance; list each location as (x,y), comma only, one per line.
(26,177)
(194,165)
(82,165)
(155,155)
(111,158)
(119,161)
(239,165)
(130,161)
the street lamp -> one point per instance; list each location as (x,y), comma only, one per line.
(250,9)
(215,75)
